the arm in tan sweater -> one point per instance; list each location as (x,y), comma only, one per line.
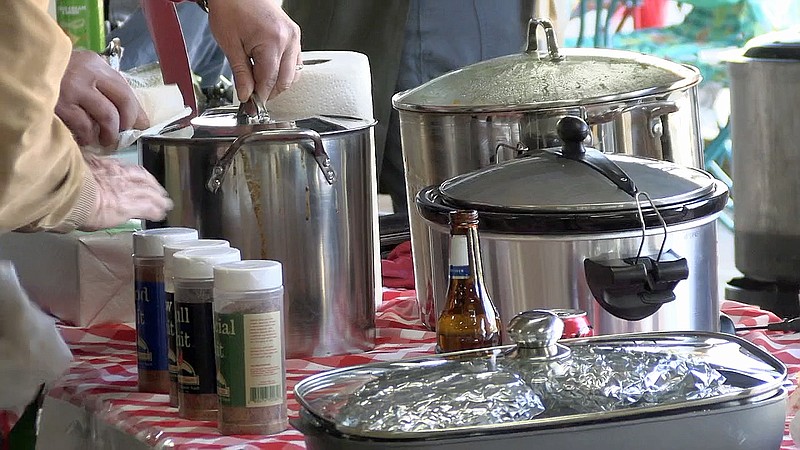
(44,181)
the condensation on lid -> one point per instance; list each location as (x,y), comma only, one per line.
(522,81)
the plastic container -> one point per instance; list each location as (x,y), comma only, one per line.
(150,297)
(193,277)
(169,288)
(82,20)
(249,333)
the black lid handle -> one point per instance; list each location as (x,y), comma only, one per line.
(573,131)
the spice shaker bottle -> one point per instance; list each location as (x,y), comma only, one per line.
(193,276)
(151,316)
(250,347)
(169,288)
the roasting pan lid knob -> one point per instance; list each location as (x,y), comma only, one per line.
(536,333)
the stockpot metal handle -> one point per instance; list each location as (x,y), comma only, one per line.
(653,110)
(223,164)
(550,37)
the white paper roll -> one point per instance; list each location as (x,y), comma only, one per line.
(331,83)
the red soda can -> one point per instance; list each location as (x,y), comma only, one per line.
(576,323)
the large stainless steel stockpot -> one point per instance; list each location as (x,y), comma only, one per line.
(765,94)
(470,118)
(302,193)
(629,240)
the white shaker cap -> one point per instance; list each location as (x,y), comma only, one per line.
(198,263)
(173,247)
(150,243)
(248,275)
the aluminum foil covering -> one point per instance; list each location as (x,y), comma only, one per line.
(461,393)
(599,378)
(449,395)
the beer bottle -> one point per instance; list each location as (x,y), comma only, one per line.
(469,319)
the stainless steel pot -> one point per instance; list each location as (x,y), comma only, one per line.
(578,232)
(302,193)
(476,116)
(765,94)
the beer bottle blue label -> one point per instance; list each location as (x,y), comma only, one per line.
(151,325)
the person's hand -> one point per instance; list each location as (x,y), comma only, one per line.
(95,102)
(257,29)
(124,192)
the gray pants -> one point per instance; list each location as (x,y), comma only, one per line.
(205,56)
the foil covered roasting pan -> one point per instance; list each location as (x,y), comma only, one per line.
(659,390)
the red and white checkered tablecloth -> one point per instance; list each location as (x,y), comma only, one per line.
(103,380)
(103,377)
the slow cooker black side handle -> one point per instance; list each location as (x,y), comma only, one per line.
(635,288)
(573,132)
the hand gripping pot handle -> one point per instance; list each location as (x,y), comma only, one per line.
(293,135)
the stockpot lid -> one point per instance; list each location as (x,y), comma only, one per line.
(547,192)
(224,122)
(539,383)
(540,80)
(234,121)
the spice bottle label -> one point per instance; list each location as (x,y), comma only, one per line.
(151,325)
(172,351)
(194,336)
(249,351)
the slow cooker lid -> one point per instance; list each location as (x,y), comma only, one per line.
(550,183)
(555,78)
